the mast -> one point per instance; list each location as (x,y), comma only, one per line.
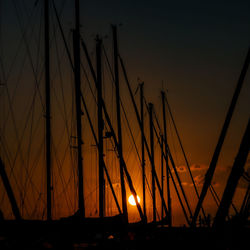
(118,114)
(245,207)
(9,191)
(236,173)
(166,159)
(212,166)
(143,149)
(183,151)
(143,134)
(152,155)
(162,176)
(129,180)
(47,99)
(174,168)
(100,126)
(77,74)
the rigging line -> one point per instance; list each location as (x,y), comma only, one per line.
(29,54)
(39,42)
(132,137)
(173,165)
(124,166)
(94,78)
(178,195)
(115,141)
(1,8)
(25,29)
(214,195)
(96,141)
(64,112)
(60,164)
(30,133)
(13,165)
(29,15)
(69,57)
(60,74)
(18,80)
(184,154)
(4,146)
(123,109)
(18,48)
(26,46)
(36,206)
(32,168)
(176,173)
(62,109)
(39,149)
(174,152)
(218,199)
(113,81)
(16,182)
(63,181)
(140,124)
(11,98)
(63,36)
(29,146)
(19,140)
(35,129)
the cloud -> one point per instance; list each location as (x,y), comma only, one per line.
(198,167)
(185,183)
(181,169)
(194,167)
(199,179)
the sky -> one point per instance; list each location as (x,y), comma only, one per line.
(194,50)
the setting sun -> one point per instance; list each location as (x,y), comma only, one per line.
(131,200)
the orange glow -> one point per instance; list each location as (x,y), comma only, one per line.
(131,200)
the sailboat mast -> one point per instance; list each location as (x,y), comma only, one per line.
(100,126)
(162,176)
(48,113)
(234,177)
(118,112)
(210,172)
(143,149)
(166,159)
(77,73)
(152,155)
(9,191)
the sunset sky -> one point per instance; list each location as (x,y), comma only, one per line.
(194,50)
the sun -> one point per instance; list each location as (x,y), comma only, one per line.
(131,200)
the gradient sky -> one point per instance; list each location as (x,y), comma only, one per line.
(193,49)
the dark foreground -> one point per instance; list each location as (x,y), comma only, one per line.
(96,235)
